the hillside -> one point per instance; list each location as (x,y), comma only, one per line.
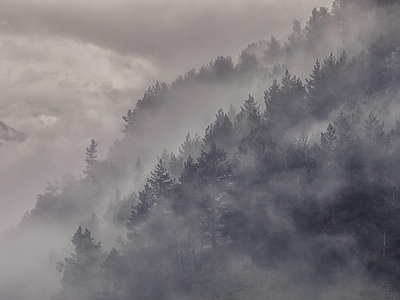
(290,193)
(8,134)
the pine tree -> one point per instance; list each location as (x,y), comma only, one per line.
(374,133)
(248,62)
(111,272)
(272,99)
(130,125)
(286,103)
(213,165)
(91,160)
(328,138)
(220,131)
(141,210)
(138,173)
(249,117)
(160,181)
(80,271)
(189,171)
(153,97)
(124,210)
(274,52)
(190,147)
(313,85)
(296,40)
(175,165)
(113,207)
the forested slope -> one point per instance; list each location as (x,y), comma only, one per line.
(291,193)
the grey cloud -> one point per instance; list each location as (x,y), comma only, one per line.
(187,33)
(69,70)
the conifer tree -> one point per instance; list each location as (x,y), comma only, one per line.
(272,98)
(213,165)
(296,40)
(175,165)
(220,131)
(190,147)
(249,117)
(91,159)
(138,173)
(274,51)
(80,270)
(111,272)
(130,125)
(160,181)
(328,138)
(189,171)
(248,62)
(314,89)
(141,210)
(374,133)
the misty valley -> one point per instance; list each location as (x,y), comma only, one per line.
(291,191)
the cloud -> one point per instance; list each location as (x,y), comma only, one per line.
(69,70)
(184,33)
(60,93)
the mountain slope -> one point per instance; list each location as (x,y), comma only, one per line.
(9,134)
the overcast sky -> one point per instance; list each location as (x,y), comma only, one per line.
(70,69)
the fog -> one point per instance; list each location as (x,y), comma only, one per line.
(261,200)
(70,70)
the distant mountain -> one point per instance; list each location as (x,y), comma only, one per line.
(9,134)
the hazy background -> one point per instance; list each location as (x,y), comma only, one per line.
(69,70)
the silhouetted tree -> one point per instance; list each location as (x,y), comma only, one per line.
(91,160)
(190,147)
(220,131)
(138,173)
(80,270)
(160,181)
(248,118)
(130,125)
(274,52)
(248,62)
(296,39)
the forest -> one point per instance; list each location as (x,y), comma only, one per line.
(291,192)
